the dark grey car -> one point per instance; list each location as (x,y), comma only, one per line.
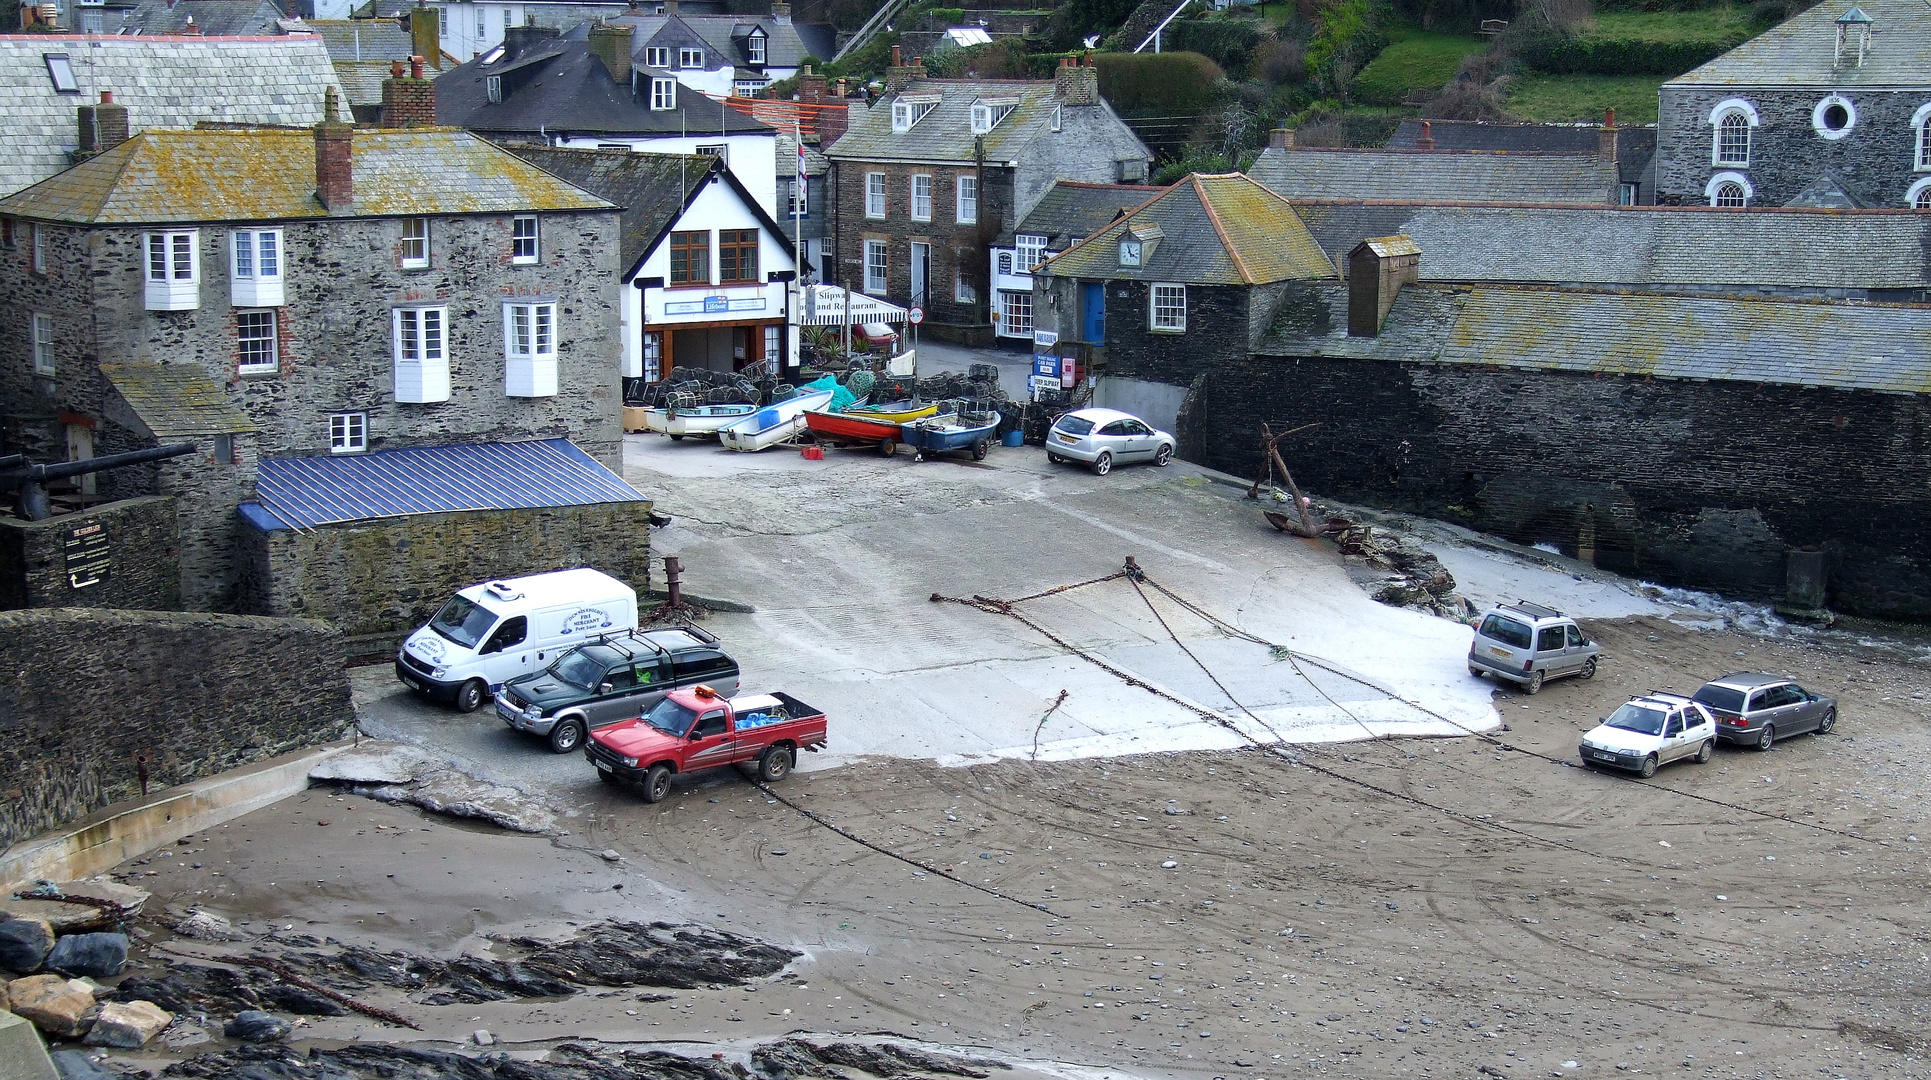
(614,678)
(1754,709)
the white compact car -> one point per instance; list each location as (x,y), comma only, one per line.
(1649,731)
(1103,437)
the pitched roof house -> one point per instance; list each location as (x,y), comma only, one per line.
(720,54)
(1068,213)
(1634,146)
(1424,175)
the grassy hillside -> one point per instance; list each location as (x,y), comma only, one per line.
(1415,60)
(1557,99)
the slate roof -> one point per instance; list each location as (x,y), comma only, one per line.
(1853,346)
(557,87)
(1800,51)
(176,400)
(362,80)
(723,36)
(269,175)
(352,40)
(653,189)
(1440,175)
(1643,245)
(214,18)
(1634,145)
(164,82)
(945,133)
(1219,229)
(1069,212)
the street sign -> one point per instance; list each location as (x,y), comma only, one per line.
(1046,366)
(915,316)
(1045,338)
(1042,384)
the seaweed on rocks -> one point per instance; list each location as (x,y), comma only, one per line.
(680,957)
(786,1060)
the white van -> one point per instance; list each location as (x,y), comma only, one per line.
(491,633)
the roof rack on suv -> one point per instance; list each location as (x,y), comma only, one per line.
(1536,610)
(633,636)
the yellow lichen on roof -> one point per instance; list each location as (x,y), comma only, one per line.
(265,175)
(1262,231)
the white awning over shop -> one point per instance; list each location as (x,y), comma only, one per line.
(824,305)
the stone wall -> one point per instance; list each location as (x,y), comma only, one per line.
(953,245)
(1787,154)
(84,692)
(1217,327)
(142,548)
(1702,484)
(383,579)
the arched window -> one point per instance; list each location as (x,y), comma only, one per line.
(1733,139)
(1921,130)
(1730,194)
(1924,200)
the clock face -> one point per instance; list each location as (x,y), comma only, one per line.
(1129,253)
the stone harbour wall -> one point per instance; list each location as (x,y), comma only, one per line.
(143,565)
(84,692)
(382,579)
(1703,484)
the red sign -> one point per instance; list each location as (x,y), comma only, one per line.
(915,316)
(1067,375)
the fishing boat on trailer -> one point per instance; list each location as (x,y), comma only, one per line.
(848,429)
(949,432)
(772,424)
(678,421)
(897,412)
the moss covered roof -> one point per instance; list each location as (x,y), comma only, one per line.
(1215,229)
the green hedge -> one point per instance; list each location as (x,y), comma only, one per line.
(1621,56)
(1231,43)
(1158,84)
(950,16)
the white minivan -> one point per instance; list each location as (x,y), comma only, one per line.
(491,633)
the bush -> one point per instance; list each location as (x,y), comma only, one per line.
(1281,63)
(949,16)
(1349,35)
(1231,43)
(1178,84)
(1466,99)
(1619,56)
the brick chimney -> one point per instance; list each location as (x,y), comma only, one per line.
(833,121)
(518,40)
(103,126)
(811,86)
(611,44)
(1606,137)
(900,74)
(334,157)
(780,12)
(1377,269)
(1427,140)
(408,100)
(1075,83)
(1280,139)
(425,34)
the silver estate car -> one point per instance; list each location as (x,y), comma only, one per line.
(1105,437)
(1757,709)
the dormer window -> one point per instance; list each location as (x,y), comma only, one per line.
(754,47)
(1137,243)
(663,95)
(690,58)
(657,56)
(909,111)
(987,114)
(493,88)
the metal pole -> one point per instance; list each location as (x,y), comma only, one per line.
(673,581)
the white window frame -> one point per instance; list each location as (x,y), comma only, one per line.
(722,151)
(967,206)
(526,240)
(172,265)
(749,87)
(921,199)
(257,267)
(773,345)
(875,196)
(963,291)
(60,72)
(1720,179)
(37,237)
(876,286)
(529,348)
(1823,106)
(421,353)
(690,59)
(1015,312)
(493,89)
(264,317)
(798,201)
(907,114)
(981,119)
(653,355)
(414,249)
(756,50)
(1921,127)
(41,328)
(663,94)
(1175,296)
(1722,110)
(657,56)
(1029,250)
(1919,192)
(348,432)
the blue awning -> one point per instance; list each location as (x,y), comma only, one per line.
(301,493)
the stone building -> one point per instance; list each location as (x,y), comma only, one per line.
(926,179)
(336,291)
(1832,108)
(1199,270)
(1635,146)
(1428,173)
(1065,215)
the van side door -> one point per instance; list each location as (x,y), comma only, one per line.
(505,653)
(1551,650)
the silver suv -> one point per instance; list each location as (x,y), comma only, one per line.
(613,678)
(1528,644)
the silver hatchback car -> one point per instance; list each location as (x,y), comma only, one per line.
(1104,437)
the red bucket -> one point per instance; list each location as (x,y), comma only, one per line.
(813,453)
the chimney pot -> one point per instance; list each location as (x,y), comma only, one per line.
(1074,84)
(1606,137)
(107,97)
(1281,139)
(897,59)
(395,69)
(1427,140)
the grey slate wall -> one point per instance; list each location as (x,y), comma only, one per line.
(159,683)
(1874,161)
(143,571)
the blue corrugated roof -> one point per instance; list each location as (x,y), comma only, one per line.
(300,493)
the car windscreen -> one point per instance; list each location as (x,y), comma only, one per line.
(1638,719)
(1507,631)
(670,718)
(1721,698)
(1074,425)
(463,621)
(579,669)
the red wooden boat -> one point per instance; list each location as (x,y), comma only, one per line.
(843,429)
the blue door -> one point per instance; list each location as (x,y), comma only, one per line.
(1093,311)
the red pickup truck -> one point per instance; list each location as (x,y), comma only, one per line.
(696,729)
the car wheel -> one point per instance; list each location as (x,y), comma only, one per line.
(608,777)
(1475,671)
(1053,459)
(1649,767)
(657,783)
(980,449)
(1829,721)
(566,736)
(677,438)
(775,765)
(1534,684)
(1588,668)
(1103,464)
(1767,736)
(469,696)
(1703,752)
(1164,457)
